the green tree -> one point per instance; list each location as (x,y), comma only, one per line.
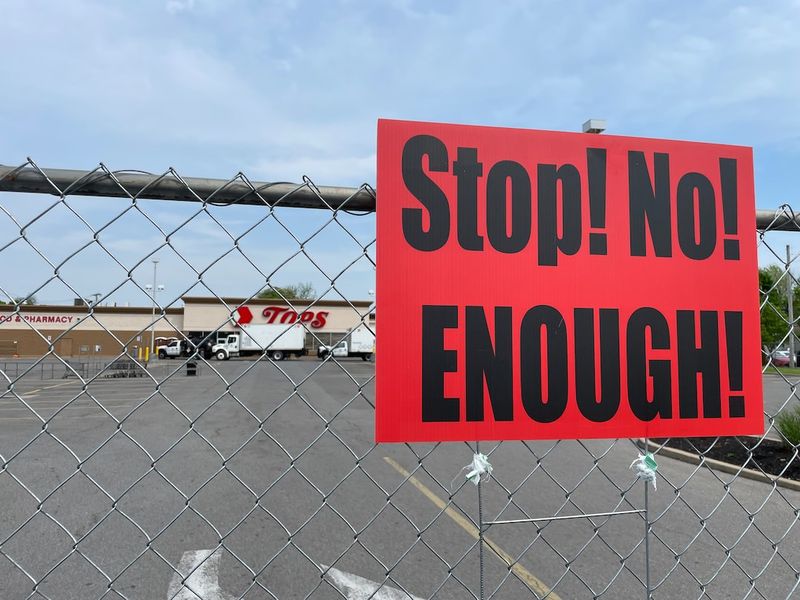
(297,291)
(774,314)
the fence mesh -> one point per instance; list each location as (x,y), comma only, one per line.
(126,476)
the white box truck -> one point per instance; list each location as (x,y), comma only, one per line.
(358,342)
(279,341)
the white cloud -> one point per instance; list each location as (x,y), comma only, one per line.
(285,89)
(178,6)
(323,170)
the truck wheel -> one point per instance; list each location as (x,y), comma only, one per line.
(277,355)
(366,357)
(221,355)
(162,355)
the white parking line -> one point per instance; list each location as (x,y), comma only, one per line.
(200,568)
(87,396)
(49,387)
(61,416)
(8,409)
(9,403)
(356,587)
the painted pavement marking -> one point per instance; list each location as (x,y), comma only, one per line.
(529,579)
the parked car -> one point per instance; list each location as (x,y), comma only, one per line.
(780,358)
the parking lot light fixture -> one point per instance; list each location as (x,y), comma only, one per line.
(594,126)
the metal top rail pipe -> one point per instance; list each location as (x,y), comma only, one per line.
(170,186)
(236,191)
(781,219)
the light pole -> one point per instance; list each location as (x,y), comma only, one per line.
(154,288)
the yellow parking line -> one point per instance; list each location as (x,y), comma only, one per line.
(528,578)
(49,387)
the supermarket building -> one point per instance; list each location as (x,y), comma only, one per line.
(83,331)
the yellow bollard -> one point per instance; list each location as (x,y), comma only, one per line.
(147,354)
(139,354)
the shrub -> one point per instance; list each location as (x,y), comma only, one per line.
(788,423)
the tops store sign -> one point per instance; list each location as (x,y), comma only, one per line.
(564,286)
(283,315)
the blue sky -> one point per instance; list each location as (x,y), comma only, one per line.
(283,89)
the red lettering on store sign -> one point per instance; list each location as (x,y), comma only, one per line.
(315,319)
(289,317)
(271,312)
(36,319)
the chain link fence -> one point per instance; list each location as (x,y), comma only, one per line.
(138,478)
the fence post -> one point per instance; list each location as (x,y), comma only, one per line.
(646,532)
(480,528)
(790,306)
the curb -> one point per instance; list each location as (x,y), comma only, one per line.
(718,465)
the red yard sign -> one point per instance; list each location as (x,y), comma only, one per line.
(541,285)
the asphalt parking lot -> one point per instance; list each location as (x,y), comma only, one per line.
(107,488)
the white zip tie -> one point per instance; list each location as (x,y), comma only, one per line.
(646,468)
(480,467)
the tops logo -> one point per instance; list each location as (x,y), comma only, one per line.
(283,315)
(314,319)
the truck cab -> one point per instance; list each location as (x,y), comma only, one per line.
(175,348)
(225,349)
(359,343)
(340,350)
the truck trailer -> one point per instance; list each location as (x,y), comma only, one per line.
(277,341)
